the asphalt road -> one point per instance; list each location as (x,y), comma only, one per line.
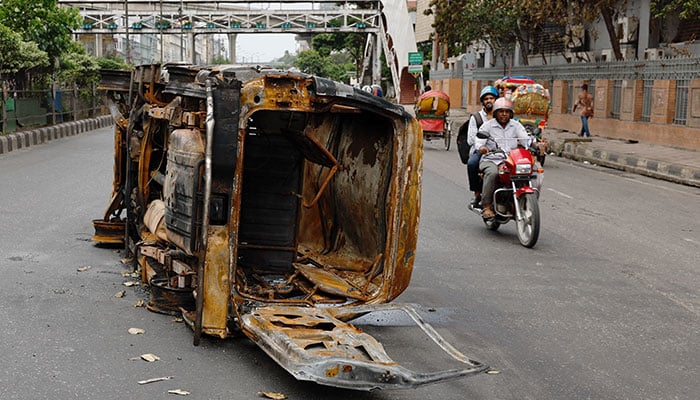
(605,306)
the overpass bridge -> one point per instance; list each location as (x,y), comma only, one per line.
(384,22)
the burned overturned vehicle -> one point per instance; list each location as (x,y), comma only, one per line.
(275,204)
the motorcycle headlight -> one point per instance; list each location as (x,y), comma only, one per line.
(523,169)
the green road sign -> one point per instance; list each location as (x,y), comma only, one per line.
(415,62)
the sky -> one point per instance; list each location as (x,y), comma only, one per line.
(263,47)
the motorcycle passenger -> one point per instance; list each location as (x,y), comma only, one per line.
(507,133)
(488,96)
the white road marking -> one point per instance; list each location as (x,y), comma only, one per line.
(560,193)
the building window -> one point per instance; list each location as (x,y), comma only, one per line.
(681,115)
(646,100)
(570,95)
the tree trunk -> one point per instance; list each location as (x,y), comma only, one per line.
(607,14)
(522,43)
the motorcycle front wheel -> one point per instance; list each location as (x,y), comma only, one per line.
(529,227)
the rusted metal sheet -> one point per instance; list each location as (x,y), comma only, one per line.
(313,345)
(291,203)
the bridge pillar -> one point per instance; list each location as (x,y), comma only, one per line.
(376,61)
(232,46)
(190,40)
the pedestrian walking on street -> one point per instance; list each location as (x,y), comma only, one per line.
(585,104)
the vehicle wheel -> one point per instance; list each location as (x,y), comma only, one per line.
(448,136)
(529,227)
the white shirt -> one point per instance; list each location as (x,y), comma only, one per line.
(507,138)
(472,129)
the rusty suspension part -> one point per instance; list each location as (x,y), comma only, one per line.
(205,215)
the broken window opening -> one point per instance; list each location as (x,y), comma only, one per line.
(329,249)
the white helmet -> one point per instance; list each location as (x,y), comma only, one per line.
(503,104)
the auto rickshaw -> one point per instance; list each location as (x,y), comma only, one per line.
(531,101)
(531,106)
(432,111)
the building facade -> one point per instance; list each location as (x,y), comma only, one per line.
(652,94)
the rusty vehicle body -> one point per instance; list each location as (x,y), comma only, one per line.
(276,204)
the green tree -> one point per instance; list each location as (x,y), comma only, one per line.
(500,24)
(686,9)
(17,55)
(220,60)
(112,62)
(43,22)
(460,23)
(312,62)
(78,67)
(351,44)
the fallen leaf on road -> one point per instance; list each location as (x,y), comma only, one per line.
(179,391)
(83,269)
(131,283)
(136,331)
(273,395)
(127,260)
(140,303)
(120,294)
(493,372)
(150,357)
(178,319)
(165,378)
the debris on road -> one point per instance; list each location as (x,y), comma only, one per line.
(164,378)
(179,392)
(273,395)
(149,357)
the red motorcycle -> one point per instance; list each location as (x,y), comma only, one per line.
(516,194)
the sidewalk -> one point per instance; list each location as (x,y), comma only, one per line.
(661,162)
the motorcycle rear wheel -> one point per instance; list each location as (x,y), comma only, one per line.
(529,227)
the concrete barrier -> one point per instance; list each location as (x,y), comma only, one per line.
(17,140)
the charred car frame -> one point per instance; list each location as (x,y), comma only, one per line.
(276,204)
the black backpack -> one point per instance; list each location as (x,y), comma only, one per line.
(462,145)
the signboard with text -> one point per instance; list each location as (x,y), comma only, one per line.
(415,62)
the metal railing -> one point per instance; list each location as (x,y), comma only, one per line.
(681,115)
(679,69)
(24,109)
(616,99)
(646,100)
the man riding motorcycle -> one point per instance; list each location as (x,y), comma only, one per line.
(488,96)
(507,133)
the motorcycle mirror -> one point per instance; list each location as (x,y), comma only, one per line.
(537,132)
(483,135)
